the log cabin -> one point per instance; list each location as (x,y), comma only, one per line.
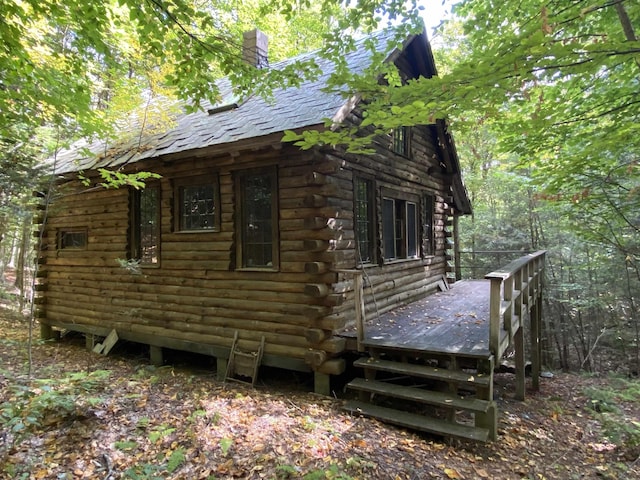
(245,241)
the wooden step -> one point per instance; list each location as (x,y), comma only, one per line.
(423,371)
(418,422)
(419,395)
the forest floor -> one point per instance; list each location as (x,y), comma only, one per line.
(84,415)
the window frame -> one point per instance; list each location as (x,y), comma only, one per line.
(240,243)
(370,221)
(61,234)
(135,240)
(428,230)
(196,181)
(401,144)
(401,226)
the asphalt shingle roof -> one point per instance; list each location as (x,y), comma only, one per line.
(289,109)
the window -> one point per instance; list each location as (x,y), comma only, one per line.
(257,227)
(145,225)
(400,140)
(428,246)
(399,228)
(364,204)
(197,204)
(75,239)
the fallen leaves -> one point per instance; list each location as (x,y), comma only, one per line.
(167,423)
(452,473)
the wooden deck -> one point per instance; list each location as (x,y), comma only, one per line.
(455,321)
(441,351)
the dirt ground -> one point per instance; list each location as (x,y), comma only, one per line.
(119,417)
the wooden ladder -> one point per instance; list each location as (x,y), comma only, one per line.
(393,391)
(244,364)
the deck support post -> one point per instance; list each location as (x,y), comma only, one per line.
(489,421)
(89,341)
(322,383)
(494,316)
(155,355)
(46,332)
(536,354)
(518,340)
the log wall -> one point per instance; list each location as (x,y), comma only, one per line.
(196,297)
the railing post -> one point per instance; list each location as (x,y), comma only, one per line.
(494,317)
(358,288)
(535,344)
(518,344)
(358,300)
(507,316)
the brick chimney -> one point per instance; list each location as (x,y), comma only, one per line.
(255,48)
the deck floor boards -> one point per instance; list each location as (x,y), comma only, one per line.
(455,321)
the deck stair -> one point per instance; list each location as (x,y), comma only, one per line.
(449,401)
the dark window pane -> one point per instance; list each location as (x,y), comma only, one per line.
(149,226)
(412,230)
(388,228)
(429,241)
(400,138)
(73,239)
(364,219)
(257,220)
(197,207)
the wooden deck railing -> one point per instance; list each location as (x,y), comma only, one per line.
(516,290)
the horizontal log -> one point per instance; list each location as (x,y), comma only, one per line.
(323,234)
(334,300)
(222,325)
(211,281)
(315,358)
(304,212)
(315,201)
(333,345)
(251,309)
(316,290)
(197,294)
(315,178)
(315,268)
(315,312)
(335,322)
(316,245)
(315,223)
(316,335)
(335,366)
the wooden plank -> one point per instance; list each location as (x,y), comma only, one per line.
(418,422)
(423,371)
(520,363)
(517,264)
(419,395)
(109,342)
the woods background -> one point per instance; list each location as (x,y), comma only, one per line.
(543,108)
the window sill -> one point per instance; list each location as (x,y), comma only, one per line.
(364,266)
(144,266)
(400,260)
(203,230)
(257,269)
